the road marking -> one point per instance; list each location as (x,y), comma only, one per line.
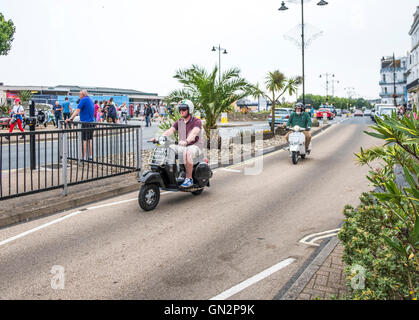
(231,170)
(21,235)
(312,238)
(39,228)
(247,283)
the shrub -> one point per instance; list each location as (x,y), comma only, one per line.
(382,235)
(389,274)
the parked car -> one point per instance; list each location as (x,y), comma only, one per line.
(344,111)
(358,113)
(322,111)
(281,115)
(338,112)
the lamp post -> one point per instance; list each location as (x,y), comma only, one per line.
(283,8)
(394,82)
(327,82)
(219,59)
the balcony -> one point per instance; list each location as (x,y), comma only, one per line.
(390,83)
(390,95)
(385,70)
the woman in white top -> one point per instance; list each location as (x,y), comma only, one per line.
(17,114)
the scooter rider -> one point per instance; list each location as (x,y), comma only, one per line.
(190,142)
(302,119)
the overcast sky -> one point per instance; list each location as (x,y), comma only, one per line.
(138,44)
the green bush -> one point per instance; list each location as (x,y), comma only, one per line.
(382,234)
(389,275)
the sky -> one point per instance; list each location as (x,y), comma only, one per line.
(138,44)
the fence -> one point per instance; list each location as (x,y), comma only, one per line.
(37,161)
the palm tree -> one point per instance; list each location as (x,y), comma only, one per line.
(277,84)
(25,96)
(211,96)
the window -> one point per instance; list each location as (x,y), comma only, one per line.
(384,78)
(385,90)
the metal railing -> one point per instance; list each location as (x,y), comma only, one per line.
(38,161)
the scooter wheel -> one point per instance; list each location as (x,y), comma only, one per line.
(294,157)
(197,192)
(149,196)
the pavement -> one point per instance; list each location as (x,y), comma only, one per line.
(177,252)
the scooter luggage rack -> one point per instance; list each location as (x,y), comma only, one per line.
(158,156)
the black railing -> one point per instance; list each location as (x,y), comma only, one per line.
(37,161)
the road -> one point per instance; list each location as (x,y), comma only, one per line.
(193,247)
(52,157)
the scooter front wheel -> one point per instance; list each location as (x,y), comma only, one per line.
(294,157)
(149,196)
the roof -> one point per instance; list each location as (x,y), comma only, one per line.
(66,89)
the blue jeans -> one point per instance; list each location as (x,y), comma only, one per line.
(57,118)
(147,121)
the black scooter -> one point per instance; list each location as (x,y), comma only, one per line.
(167,174)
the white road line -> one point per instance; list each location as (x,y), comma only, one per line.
(39,228)
(247,283)
(231,170)
(318,234)
(312,242)
(21,235)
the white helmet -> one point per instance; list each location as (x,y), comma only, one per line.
(186,104)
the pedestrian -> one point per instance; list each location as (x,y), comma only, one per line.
(57,112)
(85,110)
(67,110)
(16,117)
(99,115)
(148,113)
(97,107)
(111,111)
(137,110)
(124,113)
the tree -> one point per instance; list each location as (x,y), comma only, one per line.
(7,30)
(25,96)
(277,84)
(210,96)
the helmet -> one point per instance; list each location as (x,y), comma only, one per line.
(17,100)
(186,103)
(299,105)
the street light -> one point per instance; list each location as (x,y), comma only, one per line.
(327,82)
(219,59)
(283,8)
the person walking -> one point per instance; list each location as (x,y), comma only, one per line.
(67,110)
(85,110)
(148,113)
(16,117)
(111,112)
(57,112)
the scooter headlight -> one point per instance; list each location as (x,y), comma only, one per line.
(162,140)
(296,128)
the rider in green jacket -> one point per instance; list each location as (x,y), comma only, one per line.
(302,119)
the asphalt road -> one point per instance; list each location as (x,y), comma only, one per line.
(192,247)
(20,158)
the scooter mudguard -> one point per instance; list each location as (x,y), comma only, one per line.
(152,178)
(294,147)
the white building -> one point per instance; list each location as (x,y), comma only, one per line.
(393,80)
(413,62)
